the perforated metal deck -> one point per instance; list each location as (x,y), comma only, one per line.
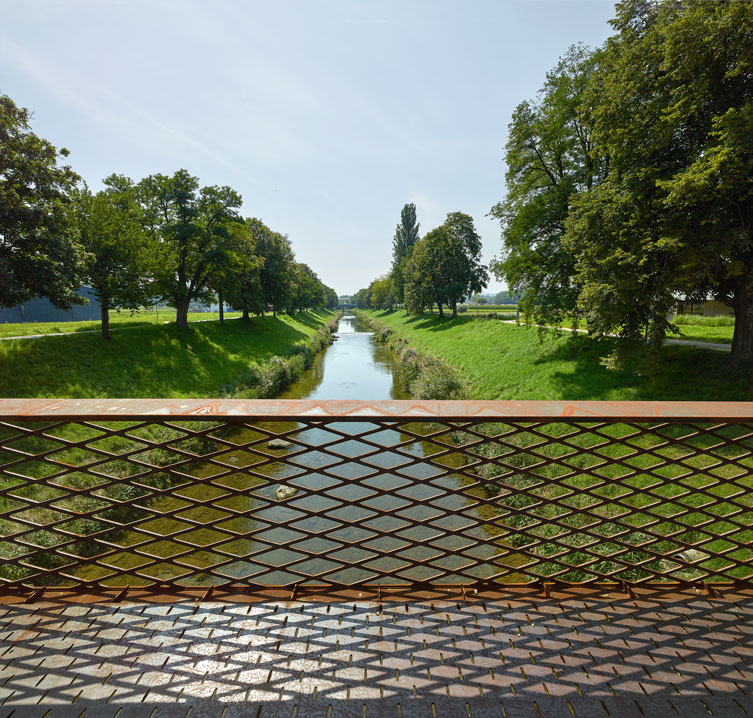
(517,653)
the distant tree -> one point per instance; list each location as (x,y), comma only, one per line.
(482,301)
(549,159)
(279,263)
(331,299)
(381,293)
(424,283)
(39,255)
(505,297)
(307,290)
(406,236)
(190,227)
(120,258)
(363,298)
(460,253)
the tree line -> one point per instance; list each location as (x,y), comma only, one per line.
(442,268)
(630,178)
(163,238)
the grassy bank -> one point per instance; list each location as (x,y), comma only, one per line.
(502,361)
(118,320)
(155,360)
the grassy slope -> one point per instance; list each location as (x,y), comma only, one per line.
(502,361)
(118,320)
(148,361)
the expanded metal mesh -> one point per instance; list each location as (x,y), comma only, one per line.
(355,500)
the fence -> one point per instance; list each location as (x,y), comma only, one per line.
(285,493)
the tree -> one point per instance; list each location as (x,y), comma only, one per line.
(363,298)
(307,290)
(190,226)
(382,296)
(238,280)
(549,160)
(119,261)
(406,236)
(39,255)
(672,111)
(279,261)
(424,283)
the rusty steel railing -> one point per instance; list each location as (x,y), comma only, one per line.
(117,493)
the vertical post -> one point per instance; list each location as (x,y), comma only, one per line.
(517,315)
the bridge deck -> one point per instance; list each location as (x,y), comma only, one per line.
(518,653)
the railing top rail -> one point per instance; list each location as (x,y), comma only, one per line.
(351,410)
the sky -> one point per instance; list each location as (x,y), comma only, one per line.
(327,115)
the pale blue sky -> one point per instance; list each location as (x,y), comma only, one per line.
(326,116)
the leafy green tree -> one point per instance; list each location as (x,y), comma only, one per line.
(279,261)
(39,255)
(307,290)
(120,261)
(406,236)
(331,300)
(424,282)
(672,112)
(238,280)
(363,298)
(460,254)
(549,159)
(190,227)
(382,296)
(445,266)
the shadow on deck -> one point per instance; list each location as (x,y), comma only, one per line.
(580,652)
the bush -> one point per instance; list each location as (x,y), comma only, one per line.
(698,321)
(269,379)
(421,375)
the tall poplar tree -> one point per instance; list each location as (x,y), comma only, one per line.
(406,236)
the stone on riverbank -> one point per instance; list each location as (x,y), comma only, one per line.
(285,492)
(279,444)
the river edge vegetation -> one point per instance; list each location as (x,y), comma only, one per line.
(162,360)
(495,360)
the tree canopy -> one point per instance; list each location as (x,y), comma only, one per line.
(39,254)
(120,260)
(629,179)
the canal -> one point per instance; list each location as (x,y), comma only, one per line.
(333,508)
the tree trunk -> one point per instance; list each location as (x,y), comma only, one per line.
(439,304)
(222,307)
(104,308)
(742,339)
(181,312)
(245,316)
(454,309)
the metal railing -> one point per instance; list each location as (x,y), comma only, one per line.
(117,493)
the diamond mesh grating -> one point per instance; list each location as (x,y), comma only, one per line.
(287,493)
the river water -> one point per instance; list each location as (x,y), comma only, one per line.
(354,367)
(351,511)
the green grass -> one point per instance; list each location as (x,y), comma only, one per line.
(118,320)
(155,360)
(706,329)
(503,361)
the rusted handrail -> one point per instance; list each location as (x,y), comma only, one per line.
(265,493)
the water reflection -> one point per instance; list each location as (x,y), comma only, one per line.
(354,367)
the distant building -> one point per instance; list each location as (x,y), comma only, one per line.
(41,310)
(706,308)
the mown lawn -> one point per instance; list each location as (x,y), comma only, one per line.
(118,320)
(155,360)
(503,361)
